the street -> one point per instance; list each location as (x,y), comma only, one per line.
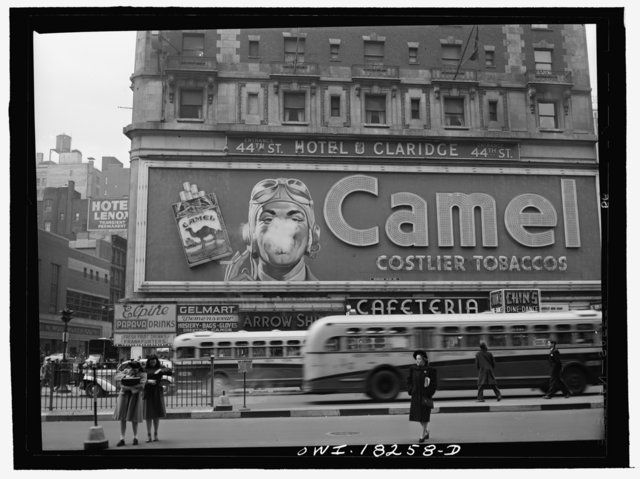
(513,426)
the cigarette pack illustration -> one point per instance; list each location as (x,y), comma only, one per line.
(200,225)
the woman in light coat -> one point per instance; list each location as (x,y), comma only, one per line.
(129,406)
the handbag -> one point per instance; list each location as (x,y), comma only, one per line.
(427,402)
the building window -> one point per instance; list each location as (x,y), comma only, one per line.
(294,50)
(47,225)
(61,216)
(489,58)
(415,108)
(373,52)
(450,54)
(493,110)
(254,49)
(90,274)
(547,115)
(85,272)
(48,205)
(76,217)
(193,44)
(375,109)
(413,55)
(334,51)
(88,306)
(294,107)
(335,105)
(55,279)
(106,278)
(454,112)
(191,104)
(543,61)
(252,104)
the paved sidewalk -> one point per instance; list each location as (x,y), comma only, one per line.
(267,409)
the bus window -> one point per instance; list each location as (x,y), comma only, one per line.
(585,334)
(206,352)
(397,342)
(242,349)
(451,337)
(497,337)
(224,349)
(275,349)
(259,350)
(365,343)
(423,338)
(541,335)
(398,330)
(352,343)
(519,336)
(186,353)
(332,344)
(563,333)
(472,336)
(379,342)
(293,348)
(374,330)
(353,330)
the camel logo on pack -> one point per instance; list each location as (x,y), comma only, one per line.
(202,232)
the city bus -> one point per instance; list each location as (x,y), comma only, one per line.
(371,354)
(276,359)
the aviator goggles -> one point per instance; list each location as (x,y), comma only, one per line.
(270,188)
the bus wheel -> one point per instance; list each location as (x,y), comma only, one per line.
(94,391)
(575,379)
(384,385)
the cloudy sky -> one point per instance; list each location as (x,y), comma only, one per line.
(82,89)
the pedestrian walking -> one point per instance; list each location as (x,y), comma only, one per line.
(421,385)
(45,373)
(154,407)
(485,364)
(555,381)
(129,404)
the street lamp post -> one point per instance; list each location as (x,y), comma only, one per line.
(66,316)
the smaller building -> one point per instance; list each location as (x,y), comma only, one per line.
(70,278)
(62,211)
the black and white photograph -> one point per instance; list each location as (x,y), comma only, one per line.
(318,238)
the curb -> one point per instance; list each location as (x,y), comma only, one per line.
(274,413)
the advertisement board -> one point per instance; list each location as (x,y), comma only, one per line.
(515,300)
(379,225)
(107,214)
(282,320)
(144,324)
(207,317)
(161,340)
(444,305)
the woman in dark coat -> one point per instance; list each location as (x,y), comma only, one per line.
(421,385)
(485,365)
(153,405)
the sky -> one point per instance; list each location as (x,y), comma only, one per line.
(81,85)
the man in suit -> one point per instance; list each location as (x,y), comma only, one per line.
(556,382)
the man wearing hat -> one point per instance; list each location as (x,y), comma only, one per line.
(281,230)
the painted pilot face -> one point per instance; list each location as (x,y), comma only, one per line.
(282,234)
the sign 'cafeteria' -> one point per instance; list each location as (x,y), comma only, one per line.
(346,148)
(418,305)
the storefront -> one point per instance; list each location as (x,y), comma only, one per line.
(79,336)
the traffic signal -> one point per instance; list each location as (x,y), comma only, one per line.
(67,314)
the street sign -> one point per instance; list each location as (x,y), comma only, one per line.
(244,365)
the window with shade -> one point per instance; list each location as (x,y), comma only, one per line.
(489,58)
(375,109)
(334,51)
(451,54)
(294,107)
(454,112)
(254,49)
(415,108)
(413,55)
(543,61)
(493,110)
(193,45)
(335,105)
(294,50)
(252,104)
(191,104)
(547,115)
(373,52)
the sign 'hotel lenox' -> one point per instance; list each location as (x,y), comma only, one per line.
(425,178)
